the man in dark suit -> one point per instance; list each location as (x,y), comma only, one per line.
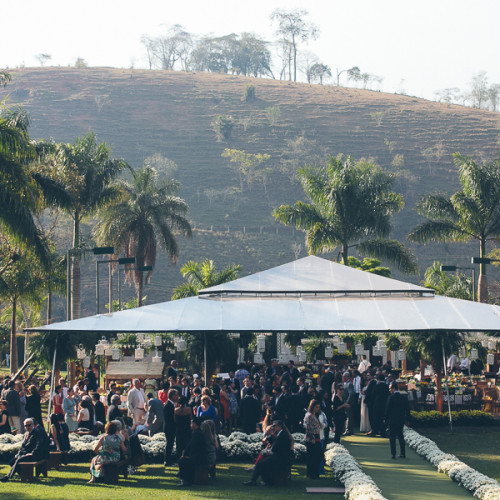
(397,412)
(169,425)
(295,411)
(113,409)
(194,454)
(35,447)
(249,412)
(278,461)
(279,403)
(172,370)
(380,395)
(155,415)
(369,400)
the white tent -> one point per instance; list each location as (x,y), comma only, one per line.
(308,295)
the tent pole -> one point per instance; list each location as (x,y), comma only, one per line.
(52,376)
(205,356)
(447,386)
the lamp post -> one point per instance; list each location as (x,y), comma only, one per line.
(120,261)
(457,268)
(141,269)
(79,251)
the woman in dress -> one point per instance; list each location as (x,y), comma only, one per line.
(57,400)
(4,418)
(208,428)
(364,425)
(182,417)
(33,405)
(163,392)
(206,409)
(83,418)
(224,405)
(339,412)
(108,451)
(69,408)
(233,406)
(59,437)
(313,441)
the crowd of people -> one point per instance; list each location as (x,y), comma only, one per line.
(272,399)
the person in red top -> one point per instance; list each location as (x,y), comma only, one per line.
(57,400)
(163,392)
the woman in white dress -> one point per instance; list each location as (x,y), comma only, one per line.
(364,425)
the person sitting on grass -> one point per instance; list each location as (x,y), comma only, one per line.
(108,451)
(278,461)
(194,455)
(34,448)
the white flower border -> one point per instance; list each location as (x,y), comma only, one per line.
(480,485)
(357,484)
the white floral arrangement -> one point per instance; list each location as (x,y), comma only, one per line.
(237,446)
(357,484)
(480,485)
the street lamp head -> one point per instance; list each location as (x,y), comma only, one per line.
(126,260)
(144,268)
(448,268)
(103,250)
(480,260)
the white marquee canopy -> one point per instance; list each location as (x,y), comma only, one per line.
(307,295)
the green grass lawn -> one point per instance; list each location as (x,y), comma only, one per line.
(156,481)
(478,447)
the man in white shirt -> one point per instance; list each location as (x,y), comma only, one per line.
(452,362)
(464,365)
(136,400)
(364,365)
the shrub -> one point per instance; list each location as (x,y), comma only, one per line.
(223,126)
(463,417)
(249,93)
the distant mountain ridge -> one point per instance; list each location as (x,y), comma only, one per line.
(142,112)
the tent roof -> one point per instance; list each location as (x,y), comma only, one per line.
(308,295)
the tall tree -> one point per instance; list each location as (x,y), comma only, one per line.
(199,276)
(293,29)
(87,172)
(147,215)
(473,212)
(351,206)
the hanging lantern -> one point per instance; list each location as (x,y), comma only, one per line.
(473,354)
(257,358)
(484,342)
(157,357)
(383,350)
(157,341)
(376,350)
(108,350)
(492,345)
(380,342)
(99,350)
(358,349)
(86,361)
(180,345)
(342,347)
(80,352)
(140,338)
(328,351)
(261,344)
(298,350)
(402,355)
(104,341)
(336,340)
(115,354)
(490,359)
(139,353)
(302,356)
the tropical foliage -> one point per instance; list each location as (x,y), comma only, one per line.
(147,214)
(458,286)
(473,212)
(351,206)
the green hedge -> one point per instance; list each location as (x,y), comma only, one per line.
(463,417)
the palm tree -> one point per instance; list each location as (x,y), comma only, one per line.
(87,171)
(459,286)
(199,276)
(147,215)
(434,347)
(20,194)
(351,206)
(473,212)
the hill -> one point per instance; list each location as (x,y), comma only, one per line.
(140,113)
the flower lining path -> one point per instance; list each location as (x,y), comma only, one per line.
(401,479)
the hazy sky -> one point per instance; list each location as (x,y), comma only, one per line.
(418,46)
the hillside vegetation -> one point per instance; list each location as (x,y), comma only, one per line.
(140,113)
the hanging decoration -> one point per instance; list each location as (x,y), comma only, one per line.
(115,354)
(402,355)
(328,351)
(80,352)
(86,361)
(157,357)
(358,349)
(139,353)
(473,353)
(261,344)
(157,341)
(342,348)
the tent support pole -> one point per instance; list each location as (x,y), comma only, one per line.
(447,386)
(205,357)
(52,376)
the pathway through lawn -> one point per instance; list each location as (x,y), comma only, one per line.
(407,478)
